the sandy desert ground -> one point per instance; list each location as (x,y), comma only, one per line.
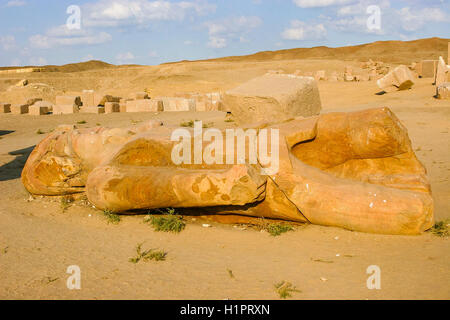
(38,241)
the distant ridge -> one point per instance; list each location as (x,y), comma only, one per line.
(395,51)
(72,67)
(386,51)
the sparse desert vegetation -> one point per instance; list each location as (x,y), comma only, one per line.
(166,221)
(147,255)
(285,289)
(441,228)
(111,217)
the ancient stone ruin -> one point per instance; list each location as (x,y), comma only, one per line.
(351,170)
(273,98)
(400,78)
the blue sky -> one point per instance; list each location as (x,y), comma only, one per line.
(35,32)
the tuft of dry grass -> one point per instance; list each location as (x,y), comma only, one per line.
(285,289)
(168,222)
(274,229)
(147,255)
(111,217)
(187,124)
(65,203)
(441,228)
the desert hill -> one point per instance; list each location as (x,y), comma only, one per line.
(386,51)
(72,67)
(396,52)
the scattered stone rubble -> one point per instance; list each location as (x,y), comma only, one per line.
(370,70)
(99,103)
(90,101)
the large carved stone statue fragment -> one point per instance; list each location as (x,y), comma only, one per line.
(351,170)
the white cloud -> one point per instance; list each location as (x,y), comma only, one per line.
(353,18)
(320,3)
(16,3)
(412,20)
(300,30)
(8,42)
(109,13)
(125,57)
(216,42)
(188,42)
(62,36)
(153,54)
(220,32)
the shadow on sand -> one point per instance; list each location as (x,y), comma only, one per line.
(13,169)
(5,132)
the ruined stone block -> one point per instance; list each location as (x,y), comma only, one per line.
(442,72)
(349,77)
(428,68)
(144,105)
(100,100)
(19,109)
(364,76)
(22,83)
(47,104)
(200,105)
(443,91)
(5,107)
(178,104)
(348,70)
(400,78)
(140,96)
(66,109)
(88,98)
(95,110)
(273,98)
(36,110)
(68,100)
(111,107)
(214,106)
(32,101)
(320,75)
